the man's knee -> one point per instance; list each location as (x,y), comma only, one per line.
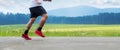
(45,16)
(32,19)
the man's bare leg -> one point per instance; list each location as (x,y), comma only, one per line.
(41,24)
(28,26)
(43,20)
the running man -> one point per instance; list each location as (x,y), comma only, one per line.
(36,10)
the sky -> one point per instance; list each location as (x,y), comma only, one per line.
(22,6)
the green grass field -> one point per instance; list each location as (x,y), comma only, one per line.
(70,30)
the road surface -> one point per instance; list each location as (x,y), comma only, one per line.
(60,43)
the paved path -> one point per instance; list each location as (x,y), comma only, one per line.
(60,43)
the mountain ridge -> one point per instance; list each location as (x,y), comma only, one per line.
(81,11)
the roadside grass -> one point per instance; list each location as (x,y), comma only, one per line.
(67,30)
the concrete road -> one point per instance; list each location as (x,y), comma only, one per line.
(60,43)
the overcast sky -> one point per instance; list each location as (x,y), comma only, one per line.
(22,6)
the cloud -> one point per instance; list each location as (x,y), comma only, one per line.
(14,6)
(114,2)
(105,3)
(22,6)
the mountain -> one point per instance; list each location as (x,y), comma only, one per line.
(111,10)
(81,11)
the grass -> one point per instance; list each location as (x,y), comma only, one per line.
(70,30)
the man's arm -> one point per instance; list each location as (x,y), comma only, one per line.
(47,0)
(37,1)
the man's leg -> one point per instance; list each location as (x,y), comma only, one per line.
(28,26)
(41,24)
(42,21)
